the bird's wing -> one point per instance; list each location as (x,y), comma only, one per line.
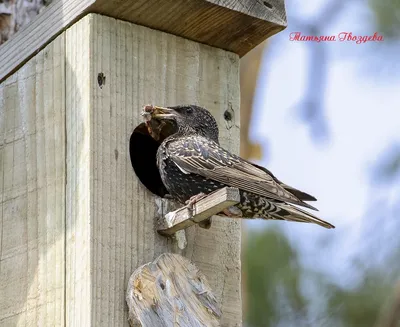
(204,157)
(299,194)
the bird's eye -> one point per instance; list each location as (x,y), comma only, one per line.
(189,110)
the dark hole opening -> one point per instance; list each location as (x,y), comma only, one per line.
(143,150)
(227,115)
(268,5)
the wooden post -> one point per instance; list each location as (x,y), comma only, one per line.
(171,291)
(75,220)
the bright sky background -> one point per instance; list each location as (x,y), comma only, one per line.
(364,119)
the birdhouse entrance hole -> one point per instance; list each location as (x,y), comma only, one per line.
(143,150)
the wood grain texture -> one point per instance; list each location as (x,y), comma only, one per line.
(111,225)
(79,255)
(203,209)
(32,191)
(171,291)
(42,30)
(234,25)
(15,14)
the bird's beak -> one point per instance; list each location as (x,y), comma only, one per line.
(163,113)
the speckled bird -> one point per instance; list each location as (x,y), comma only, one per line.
(192,163)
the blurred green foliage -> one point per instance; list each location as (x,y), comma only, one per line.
(275,296)
(387,17)
(273,277)
(361,306)
(280,291)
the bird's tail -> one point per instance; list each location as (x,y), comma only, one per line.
(291,213)
(255,206)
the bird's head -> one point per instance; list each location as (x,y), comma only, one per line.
(188,119)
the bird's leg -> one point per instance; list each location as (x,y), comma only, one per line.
(195,198)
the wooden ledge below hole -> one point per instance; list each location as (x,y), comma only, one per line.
(206,207)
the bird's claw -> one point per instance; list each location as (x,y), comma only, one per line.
(233,212)
(195,198)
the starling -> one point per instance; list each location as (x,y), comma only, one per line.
(192,163)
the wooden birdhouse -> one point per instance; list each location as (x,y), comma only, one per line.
(80,194)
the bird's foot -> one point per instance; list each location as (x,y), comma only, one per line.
(194,199)
(232,212)
(206,224)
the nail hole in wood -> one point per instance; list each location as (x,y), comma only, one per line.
(101,79)
(267,4)
(227,115)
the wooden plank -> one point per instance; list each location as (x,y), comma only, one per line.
(32,191)
(43,29)
(112,218)
(210,205)
(78,192)
(171,291)
(236,25)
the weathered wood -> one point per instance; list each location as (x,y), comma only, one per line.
(82,225)
(32,191)
(109,229)
(46,26)
(111,217)
(15,14)
(236,25)
(205,208)
(171,291)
